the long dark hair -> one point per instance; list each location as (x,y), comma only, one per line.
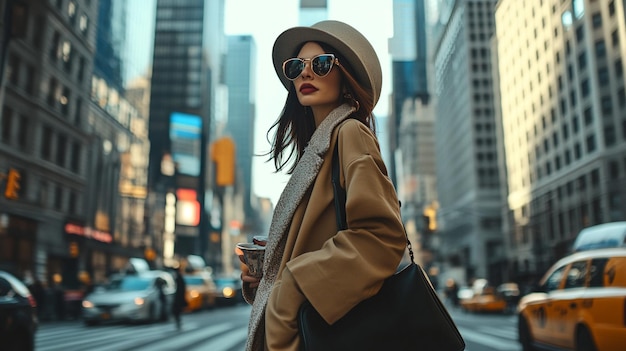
(296,124)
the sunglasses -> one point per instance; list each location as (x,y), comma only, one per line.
(320,65)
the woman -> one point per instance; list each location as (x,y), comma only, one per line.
(333,78)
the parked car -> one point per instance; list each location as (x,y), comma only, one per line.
(201,291)
(580,304)
(229,290)
(131,297)
(18,315)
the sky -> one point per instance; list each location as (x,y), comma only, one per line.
(253,17)
(265,23)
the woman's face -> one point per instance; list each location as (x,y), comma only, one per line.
(322,94)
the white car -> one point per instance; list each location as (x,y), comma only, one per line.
(131,297)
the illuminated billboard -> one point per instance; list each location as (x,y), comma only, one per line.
(185,137)
(187,207)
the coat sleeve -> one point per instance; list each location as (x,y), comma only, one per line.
(352,265)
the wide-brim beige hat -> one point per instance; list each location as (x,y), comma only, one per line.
(349,43)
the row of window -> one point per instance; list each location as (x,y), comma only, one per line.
(71,10)
(18,131)
(581,186)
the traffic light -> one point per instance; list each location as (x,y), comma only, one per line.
(74,249)
(13,184)
(223,154)
(430,218)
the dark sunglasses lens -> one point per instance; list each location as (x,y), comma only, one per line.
(322,64)
(293,68)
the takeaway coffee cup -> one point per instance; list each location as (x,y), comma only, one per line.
(252,255)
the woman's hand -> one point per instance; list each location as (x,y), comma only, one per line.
(246,277)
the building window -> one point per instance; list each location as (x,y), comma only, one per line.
(53,86)
(81,69)
(610,137)
(600,49)
(61,152)
(73,203)
(595,178)
(66,54)
(603,76)
(64,99)
(75,161)
(612,8)
(580,33)
(591,144)
(588,116)
(78,112)
(54,46)
(58,197)
(619,69)
(43,194)
(613,170)
(584,88)
(7,123)
(582,60)
(607,105)
(22,133)
(83,24)
(596,20)
(71,12)
(46,143)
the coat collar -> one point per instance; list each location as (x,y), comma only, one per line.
(299,183)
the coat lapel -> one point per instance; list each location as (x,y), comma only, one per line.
(300,181)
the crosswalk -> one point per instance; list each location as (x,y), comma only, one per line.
(216,331)
(492,336)
(501,339)
(219,331)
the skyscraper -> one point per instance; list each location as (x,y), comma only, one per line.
(110,42)
(239,78)
(468,183)
(312,11)
(180,114)
(561,67)
(408,49)
(411,124)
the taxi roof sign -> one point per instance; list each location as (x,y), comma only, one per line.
(601,236)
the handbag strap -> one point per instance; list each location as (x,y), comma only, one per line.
(340,200)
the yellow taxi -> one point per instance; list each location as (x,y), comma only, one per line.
(201,292)
(580,304)
(484,299)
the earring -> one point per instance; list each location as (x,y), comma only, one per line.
(354,102)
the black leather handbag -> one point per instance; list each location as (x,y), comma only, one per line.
(406,314)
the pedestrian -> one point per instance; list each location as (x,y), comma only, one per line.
(160,285)
(452,292)
(180,298)
(333,78)
(38,292)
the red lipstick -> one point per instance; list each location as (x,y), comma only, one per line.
(307,88)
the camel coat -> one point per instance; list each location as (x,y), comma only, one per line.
(306,256)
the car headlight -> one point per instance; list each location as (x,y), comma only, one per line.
(228,292)
(139,301)
(87,304)
(194,294)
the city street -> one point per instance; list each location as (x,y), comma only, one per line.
(225,329)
